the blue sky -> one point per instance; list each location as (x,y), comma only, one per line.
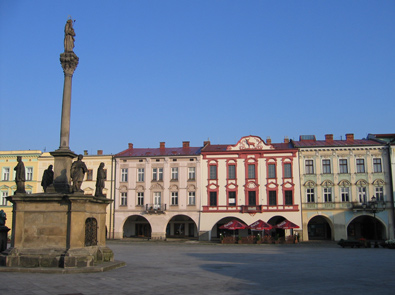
(176,71)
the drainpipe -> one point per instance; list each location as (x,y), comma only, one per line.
(111,197)
(114,166)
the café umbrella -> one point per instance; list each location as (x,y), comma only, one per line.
(260,225)
(286,224)
(233,225)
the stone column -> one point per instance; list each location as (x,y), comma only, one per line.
(63,156)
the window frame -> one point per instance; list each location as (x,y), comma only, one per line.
(360,165)
(6,174)
(123,201)
(213,173)
(191,198)
(286,198)
(309,166)
(229,198)
(140,198)
(272,198)
(124,174)
(271,170)
(345,194)
(343,167)
(231,171)
(326,166)
(287,171)
(251,171)
(310,195)
(213,199)
(174,198)
(140,174)
(174,173)
(377,167)
(327,194)
(191,173)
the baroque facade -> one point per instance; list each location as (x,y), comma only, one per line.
(157,192)
(340,180)
(248,181)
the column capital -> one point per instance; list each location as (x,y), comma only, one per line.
(69,61)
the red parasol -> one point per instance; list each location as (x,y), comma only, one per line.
(233,225)
(286,224)
(260,225)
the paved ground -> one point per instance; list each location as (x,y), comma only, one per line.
(196,268)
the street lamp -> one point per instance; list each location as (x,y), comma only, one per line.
(373,207)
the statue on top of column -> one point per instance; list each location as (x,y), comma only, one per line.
(69,36)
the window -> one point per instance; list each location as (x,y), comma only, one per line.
(252,198)
(362,194)
(191,199)
(124,199)
(231,198)
(327,194)
(272,198)
(287,170)
(310,195)
(174,173)
(89,174)
(124,174)
(213,172)
(326,166)
(174,198)
(360,166)
(309,169)
(157,200)
(251,171)
(232,172)
(345,194)
(29,173)
(272,171)
(191,173)
(140,174)
(157,174)
(3,200)
(288,198)
(6,173)
(213,198)
(343,166)
(379,193)
(140,199)
(377,165)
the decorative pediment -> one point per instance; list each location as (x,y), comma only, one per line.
(140,188)
(250,143)
(4,187)
(173,187)
(344,183)
(327,183)
(213,186)
(191,188)
(378,182)
(123,188)
(156,186)
(362,182)
(231,186)
(309,183)
(251,185)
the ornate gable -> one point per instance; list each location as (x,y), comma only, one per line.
(250,143)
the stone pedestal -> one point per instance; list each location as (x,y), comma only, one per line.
(3,237)
(63,159)
(57,230)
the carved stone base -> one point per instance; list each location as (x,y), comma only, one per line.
(79,257)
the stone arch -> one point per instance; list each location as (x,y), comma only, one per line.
(181,226)
(327,183)
(367,227)
(344,183)
(136,226)
(320,227)
(378,182)
(310,183)
(278,232)
(361,182)
(215,230)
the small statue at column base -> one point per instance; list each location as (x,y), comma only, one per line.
(20,176)
(78,170)
(101,177)
(47,179)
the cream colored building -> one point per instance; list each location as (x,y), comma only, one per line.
(7,181)
(248,181)
(338,180)
(157,193)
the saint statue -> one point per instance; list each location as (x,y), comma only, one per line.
(101,177)
(69,36)
(47,179)
(20,176)
(78,170)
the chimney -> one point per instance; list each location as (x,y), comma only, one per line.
(206,143)
(162,145)
(130,145)
(329,137)
(286,139)
(185,144)
(268,140)
(99,152)
(350,136)
(85,152)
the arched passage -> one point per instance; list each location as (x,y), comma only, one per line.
(216,231)
(181,226)
(136,226)
(277,232)
(366,227)
(319,228)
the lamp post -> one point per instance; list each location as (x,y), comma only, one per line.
(373,207)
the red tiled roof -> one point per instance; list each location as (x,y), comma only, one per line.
(155,152)
(334,143)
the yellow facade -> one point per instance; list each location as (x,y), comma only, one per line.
(7,184)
